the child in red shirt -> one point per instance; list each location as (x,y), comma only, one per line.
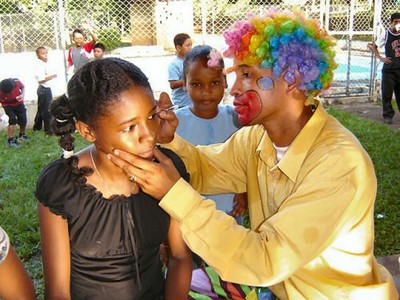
(12,100)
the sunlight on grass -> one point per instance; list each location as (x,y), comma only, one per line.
(383,145)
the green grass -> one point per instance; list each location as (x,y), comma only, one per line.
(20,168)
(383,145)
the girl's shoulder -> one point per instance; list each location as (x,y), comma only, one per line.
(59,186)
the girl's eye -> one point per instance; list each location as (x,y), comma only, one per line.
(216,82)
(128,129)
(195,84)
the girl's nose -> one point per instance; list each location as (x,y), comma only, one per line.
(146,133)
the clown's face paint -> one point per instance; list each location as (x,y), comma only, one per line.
(248,106)
(265,83)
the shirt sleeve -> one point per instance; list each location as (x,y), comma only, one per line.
(212,174)
(40,72)
(380,42)
(173,71)
(58,188)
(69,57)
(88,47)
(333,206)
(4,245)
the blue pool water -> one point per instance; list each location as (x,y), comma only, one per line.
(360,68)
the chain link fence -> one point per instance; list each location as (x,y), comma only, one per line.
(25,25)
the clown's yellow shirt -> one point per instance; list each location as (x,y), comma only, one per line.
(311,213)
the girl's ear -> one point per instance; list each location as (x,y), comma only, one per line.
(85,131)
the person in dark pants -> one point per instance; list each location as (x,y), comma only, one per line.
(45,78)
(391,66)
(12,100)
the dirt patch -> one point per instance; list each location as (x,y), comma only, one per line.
(370,111)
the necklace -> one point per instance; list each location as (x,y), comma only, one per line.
(97,171)
(135,186)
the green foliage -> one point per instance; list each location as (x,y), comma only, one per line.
(110,37)
(8,7)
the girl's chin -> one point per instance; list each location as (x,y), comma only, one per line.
(148,155)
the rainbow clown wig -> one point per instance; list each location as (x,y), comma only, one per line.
(289,44)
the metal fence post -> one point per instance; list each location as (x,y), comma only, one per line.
(203,19)
(1,38)
(61,15)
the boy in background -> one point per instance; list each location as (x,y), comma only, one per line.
(80,53)
(99,51)
(183,44)
(45,76)
(12,100)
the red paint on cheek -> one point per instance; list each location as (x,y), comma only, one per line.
(248,106)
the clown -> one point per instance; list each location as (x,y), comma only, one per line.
(289,46)
(311,186)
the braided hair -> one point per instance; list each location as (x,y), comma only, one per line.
(91,91)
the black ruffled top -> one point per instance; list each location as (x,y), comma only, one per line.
(106,233)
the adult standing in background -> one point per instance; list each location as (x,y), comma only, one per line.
(45,77)
(391,66)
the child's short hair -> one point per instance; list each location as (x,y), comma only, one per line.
(39,48)
(203,52)
(394,16)
(100,46)
(180,38)
(77,31)
(7,85)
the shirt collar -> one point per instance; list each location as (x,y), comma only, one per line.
(298,150)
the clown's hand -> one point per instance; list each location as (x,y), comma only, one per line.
(168,120)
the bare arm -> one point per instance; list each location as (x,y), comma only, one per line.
(240,204)
(15,282)
(56,254)
(180,265)
(47,78)
(94,37)
(174,84)
(374,49)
